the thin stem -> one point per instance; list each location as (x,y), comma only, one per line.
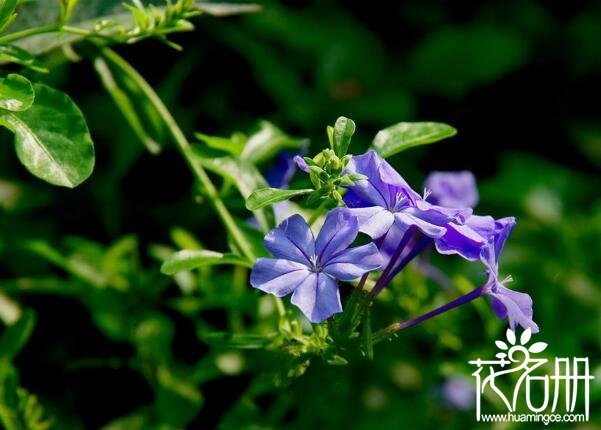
(395,327)
(381,283)
(184,147)
(28,32)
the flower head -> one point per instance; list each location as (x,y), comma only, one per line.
(506,303)
(308,267)
(452,189)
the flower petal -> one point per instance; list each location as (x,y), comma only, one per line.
(453,189)
(374,221)
(301,163)
(338,232)
(407,218)
(382,184)
(277,277)
(515,306)
(354,262)
(462,240)
(317,297)
(292,240)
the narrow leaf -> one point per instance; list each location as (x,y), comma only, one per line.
(15,336)
(52,138)
(267,196)
(232,146)
(343,132)
(14,54)
(189,259)
(16,93)
(404,135)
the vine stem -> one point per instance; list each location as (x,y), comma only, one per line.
(395,327)
(185,149)
(28,32)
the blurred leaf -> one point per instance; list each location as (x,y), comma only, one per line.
(239,172)
(267,196)
(16,93)
(233,146)
(453,59)
(267,142)
(238,340)
(7,13)
(52,139)
(343,132)
(405,135)
(177,400)
(15,336)
(227,9)
(14,54)
(191,259)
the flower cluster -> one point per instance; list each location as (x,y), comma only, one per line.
(401,224)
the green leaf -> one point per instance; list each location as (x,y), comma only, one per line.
(15,336)
(227,9)
(52,138)
(405,135)
(267,196)
(267,142)
(177,400)
(14,54)
(7,13)
(16,93)
(233,145)
(189,259)
(239,172)
(342,134)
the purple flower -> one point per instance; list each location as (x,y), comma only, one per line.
(506,303)
(301,163)
(309,268)
(452,189)
(458,393)
(384,199)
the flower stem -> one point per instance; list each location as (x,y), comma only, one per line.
(395,327)
(184,147)
(28,32)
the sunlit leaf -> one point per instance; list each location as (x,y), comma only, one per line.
(405,135)
(16,93)
(342,134)
(267,142)
(52,138)
(189,259)
(267,196)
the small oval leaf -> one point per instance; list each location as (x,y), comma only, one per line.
(342,133)
(525,337)
(405,135)
(268,196)
(191,259)
(510,334)
(52,138)
(501,345)
(537,347)
(16,93)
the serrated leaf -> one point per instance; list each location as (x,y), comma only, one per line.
(501,345)
(537,347)
(510,335)
(52,138)
(267,196)
(405,135)
(16,93)
(189,259)
(267,142)
(244,175)
(525,337)
(342,134)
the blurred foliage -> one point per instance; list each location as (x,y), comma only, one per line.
(118,345)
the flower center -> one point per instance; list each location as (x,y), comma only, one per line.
(400,201)
(316,266)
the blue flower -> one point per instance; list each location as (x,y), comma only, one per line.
(452,189)
(384,199)
(309,268)
(506,303)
